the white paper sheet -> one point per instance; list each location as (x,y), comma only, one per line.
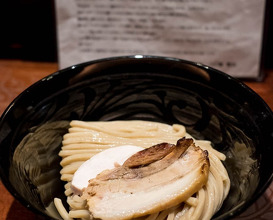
(226,35)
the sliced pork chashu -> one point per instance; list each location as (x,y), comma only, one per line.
(151,180)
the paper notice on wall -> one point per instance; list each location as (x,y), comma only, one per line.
(226,35)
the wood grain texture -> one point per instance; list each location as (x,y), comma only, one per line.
(17,75)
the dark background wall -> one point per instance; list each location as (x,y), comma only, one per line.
(28,31)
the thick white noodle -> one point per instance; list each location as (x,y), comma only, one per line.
(86,139)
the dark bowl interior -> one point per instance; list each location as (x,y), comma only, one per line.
(211,104)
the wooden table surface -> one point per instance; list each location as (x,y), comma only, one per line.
(17,75)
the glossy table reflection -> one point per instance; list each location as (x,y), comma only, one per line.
(17,75)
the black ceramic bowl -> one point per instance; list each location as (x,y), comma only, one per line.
(211,104)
